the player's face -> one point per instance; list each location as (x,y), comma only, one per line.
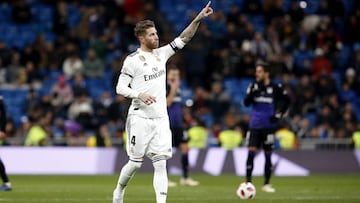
(173,75)
(259,73)
(151,39)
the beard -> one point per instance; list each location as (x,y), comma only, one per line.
(152,44)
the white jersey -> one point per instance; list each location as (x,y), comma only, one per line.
(145,72)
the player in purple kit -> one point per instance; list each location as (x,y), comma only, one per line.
(6,182)
(269,103)
(180,138)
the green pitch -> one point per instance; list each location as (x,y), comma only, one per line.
(98,189)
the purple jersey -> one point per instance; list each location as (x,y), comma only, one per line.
(175,110)
(265,104)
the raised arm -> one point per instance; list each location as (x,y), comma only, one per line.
(191,29)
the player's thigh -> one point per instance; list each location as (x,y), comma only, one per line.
(268,139)
(138,139)
(253,138)
(161,142)
(178,136)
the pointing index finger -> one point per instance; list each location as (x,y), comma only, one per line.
(208,4)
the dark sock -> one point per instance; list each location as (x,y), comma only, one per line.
(3,175)
(249,165)
(185,165)
(268,167)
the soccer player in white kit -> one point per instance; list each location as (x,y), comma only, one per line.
(143,79)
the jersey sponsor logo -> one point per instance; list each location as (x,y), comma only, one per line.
(264,99)
(154,76)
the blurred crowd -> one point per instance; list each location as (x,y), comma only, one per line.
(316,57)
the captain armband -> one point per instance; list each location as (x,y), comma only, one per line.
(177,44)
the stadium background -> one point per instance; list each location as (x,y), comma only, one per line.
(313,46)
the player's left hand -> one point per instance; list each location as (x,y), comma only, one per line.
(146,98)
(206,11)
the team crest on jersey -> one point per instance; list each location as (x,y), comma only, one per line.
(269,90)
(142,58)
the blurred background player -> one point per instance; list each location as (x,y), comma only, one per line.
(143,79)
(6,182)
(269,103)
(179,136)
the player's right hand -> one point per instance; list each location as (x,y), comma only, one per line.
(253,88)
(174,84)
(146,98)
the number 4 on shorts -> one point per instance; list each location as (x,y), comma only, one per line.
(132,141)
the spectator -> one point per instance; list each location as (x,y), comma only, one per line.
(325,117)
(323,8)
(252,7)
(60,18)
(260,47)
(101,106)
(93,66)
(286,138)
(355,138)
(79,86)
(21,12)
(352,30)
(195,54)
(346,94)
(198,135)
(304,130)
(233,14)
(246,63)
(273,10)
(336,8)
(117,109)
(296,13)
(97,19)
(101,138)
(306,100)
(352,80)
(5,53)
(32,73)
(201,101)
(231,137)
(347,124)
(37,136)
(72,66)
(62,93)
(334,104)
(219,100)
(82,112)
(30,54)
(321,66)
(325,131)
(14,69)
(113,34)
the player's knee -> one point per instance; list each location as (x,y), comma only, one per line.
(135,164)
(160,165)
(159,162)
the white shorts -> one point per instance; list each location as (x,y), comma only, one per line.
(148,136)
